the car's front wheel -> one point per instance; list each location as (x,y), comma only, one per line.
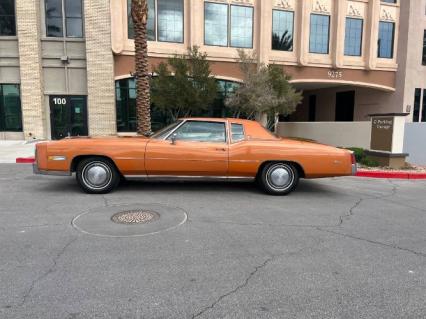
(279,178)
(97,175)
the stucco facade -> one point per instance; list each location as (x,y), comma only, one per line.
(79,71)
(319,74)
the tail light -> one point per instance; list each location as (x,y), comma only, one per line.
(353,159)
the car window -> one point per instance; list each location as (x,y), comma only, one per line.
(237,132)
(198,131)
(166,131)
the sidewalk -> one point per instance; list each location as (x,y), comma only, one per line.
(11,150)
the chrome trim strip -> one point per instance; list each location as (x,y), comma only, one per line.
(189,178)
(37,171)
(57,158)
(165,139)
(354,169)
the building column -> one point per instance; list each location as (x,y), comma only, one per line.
(100,68)
(340,8)
(32,98)
(372,33)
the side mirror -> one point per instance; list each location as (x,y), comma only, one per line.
(174,138)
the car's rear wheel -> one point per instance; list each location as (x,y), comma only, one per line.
(279,178)
(97,175)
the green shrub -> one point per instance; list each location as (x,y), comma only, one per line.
(362,158)
(359,153)
(367,161)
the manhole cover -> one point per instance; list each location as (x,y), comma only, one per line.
(129,220)
(135,217)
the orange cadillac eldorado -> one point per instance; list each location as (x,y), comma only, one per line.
(194,149)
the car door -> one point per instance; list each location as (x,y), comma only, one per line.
(242,156)
(195,148)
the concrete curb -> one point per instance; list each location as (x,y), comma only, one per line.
(390,175)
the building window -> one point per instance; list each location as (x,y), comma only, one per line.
(312,108)
(125,96)
(125,99)
(319,34)
(386,40)
(241,27)
(7,18)
(353,37)
(424,49)
(389,1)
(64,17)
(10,108)
(282,30)
(216,26)
(165,20)
(417,100)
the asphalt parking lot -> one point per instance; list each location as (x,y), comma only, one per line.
(336,248)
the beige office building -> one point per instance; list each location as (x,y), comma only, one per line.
(67,67)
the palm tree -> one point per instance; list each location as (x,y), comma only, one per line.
(283,42)
(143,109)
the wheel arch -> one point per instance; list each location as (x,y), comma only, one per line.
(77,159)
(298,166)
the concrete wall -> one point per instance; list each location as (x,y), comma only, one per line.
(415,143)
(9,60)
(345,134)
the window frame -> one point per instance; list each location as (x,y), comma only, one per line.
(392,55)
(3,119)
(231,134)
(14,21)
(66,17)
(361,44)
(293,33)
(169,136)
(424,49)
(156,38)
(417,105)
(229,25)
(64,22)
(328,33)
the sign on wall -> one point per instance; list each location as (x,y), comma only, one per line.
(382,134)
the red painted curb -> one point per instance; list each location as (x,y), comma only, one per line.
(396,175)
(25,160)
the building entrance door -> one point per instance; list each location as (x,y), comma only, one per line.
(68,116)
(345,105)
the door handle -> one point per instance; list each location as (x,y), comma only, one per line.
(222,149)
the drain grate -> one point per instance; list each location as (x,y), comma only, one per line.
(135,217)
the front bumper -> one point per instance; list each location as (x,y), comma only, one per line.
(38,171)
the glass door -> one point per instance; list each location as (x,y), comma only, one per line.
(68,116)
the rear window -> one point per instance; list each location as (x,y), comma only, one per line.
(237,132)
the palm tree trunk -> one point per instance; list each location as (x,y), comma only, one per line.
(143,104)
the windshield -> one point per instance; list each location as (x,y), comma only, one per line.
(161,134)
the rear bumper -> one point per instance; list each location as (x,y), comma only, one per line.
(37,171)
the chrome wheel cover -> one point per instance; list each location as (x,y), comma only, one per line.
(96,175)
(280,177)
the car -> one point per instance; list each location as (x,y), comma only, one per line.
(194,149)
